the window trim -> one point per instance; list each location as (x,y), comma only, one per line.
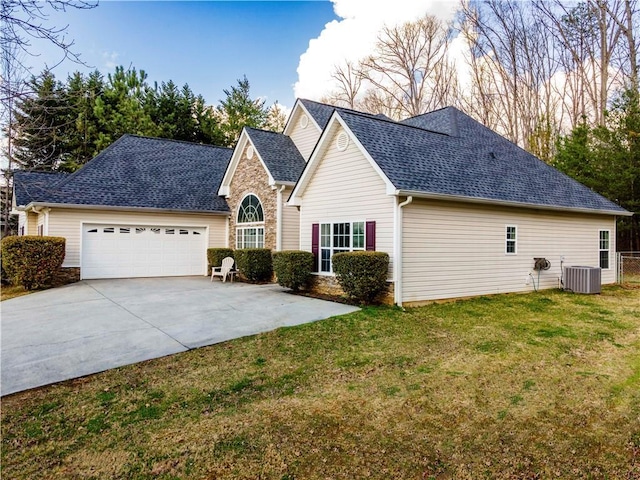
(331,248)
(507,240)
(608,249)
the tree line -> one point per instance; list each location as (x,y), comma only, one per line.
(557,77)
(60,126)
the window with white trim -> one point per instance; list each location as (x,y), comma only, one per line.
(511,240)
(337,238)
(604,248)
(250,223)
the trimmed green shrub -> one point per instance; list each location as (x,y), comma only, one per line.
(31,261)
(362,275)
(254,264)
(216,255)
(293,268)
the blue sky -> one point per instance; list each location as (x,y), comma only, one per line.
(207,44)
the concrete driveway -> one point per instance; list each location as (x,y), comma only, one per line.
(95,325)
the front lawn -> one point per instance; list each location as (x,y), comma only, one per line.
(514,386)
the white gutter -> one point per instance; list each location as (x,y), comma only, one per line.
(460,198)
(279,218)
(397,254)
(37,206)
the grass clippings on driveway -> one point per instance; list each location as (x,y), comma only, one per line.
(516,386)
(12,291)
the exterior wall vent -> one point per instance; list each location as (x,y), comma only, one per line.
(249,152)
(582,279)
(342,142)
(304,121)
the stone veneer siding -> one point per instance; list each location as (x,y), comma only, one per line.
(328,285)
(251,177)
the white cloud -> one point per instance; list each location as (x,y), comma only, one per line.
(354,35)
(110,59)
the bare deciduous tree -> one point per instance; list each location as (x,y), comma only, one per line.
(25,20)
(349,83)
(410,67)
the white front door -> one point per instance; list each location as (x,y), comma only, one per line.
(123,251)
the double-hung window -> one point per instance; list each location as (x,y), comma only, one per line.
(511,240)
(337,238)
(250,223)
(604,247)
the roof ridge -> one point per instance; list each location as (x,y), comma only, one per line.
(266,131)
(393,122)
(429,113)
(195,144)
(335,107)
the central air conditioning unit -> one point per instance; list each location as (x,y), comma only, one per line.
(582,279)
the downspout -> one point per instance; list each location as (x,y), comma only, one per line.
(279,219)
(397,280)
(227,231)
(45,227)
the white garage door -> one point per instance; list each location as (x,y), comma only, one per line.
(123,251)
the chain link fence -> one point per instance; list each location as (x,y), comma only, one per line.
(629,267)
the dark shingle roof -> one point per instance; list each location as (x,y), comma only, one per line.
(145,172)
(30,186)
(279,153)
(321,112)
(478,163)
(443,120)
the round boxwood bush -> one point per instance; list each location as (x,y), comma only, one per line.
(362,275)
(293,268)
(255,264)
(31,261)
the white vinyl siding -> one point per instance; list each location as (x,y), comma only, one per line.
(344,188)
(305,139)
(67,223)
(455,250)
(290,224)
(40,229)
(28,223)
(22,223)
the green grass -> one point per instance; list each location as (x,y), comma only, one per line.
(515,386)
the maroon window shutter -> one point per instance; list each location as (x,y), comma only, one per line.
(315,245)
(371,236)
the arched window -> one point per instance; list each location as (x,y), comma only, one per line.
(250,210)
(250,223)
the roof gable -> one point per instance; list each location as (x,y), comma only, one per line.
(241,145)
(334,124)
(145,172)
(299,108)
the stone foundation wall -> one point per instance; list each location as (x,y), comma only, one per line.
(68,275)
(328,285)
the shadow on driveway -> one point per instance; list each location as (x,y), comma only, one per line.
(95,325)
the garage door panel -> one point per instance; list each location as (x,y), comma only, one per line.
(120,251)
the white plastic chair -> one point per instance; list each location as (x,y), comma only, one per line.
(225,269)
